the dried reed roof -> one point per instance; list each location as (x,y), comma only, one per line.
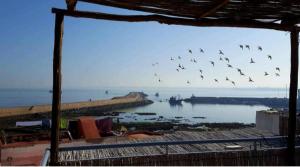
(261,10)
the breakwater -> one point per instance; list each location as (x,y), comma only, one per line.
(8,116)
(269,102)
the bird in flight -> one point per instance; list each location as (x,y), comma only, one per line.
(216,80)
(250,80)
(242,47)
(227,79)
(177,69)
(202,77)
(233,83)
(266,74)
(221,52)
(242,74)
(221,59)
(278,69)
(228,65)
(251,61)
(270,57)
(277,74)
(248,47)
(172,58)
(159,80)
(239,70)
(226,59)
(259,48)
(179,57)
(201,50)
(213,63)
(200,71)
(188,82)
(190,51)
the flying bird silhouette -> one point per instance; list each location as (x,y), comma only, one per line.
(200,71)
(227,79)
(250,80)
(216,80)
(242,47)
(270,57)
(213,63)
(202,77)
(226,59)
(251,61)
(221,52)
(278,69)
(179,57)
(159,80)
(242,74)
(177,69)
(190,51)
(172,58)
(266,74)
(201,50)
(188,82)
(248,47)
(221,59)
(259,48)
(239,70)
(277,74)
(228,65)
(233,83)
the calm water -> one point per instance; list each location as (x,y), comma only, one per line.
(212,113)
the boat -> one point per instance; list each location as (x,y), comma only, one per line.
(175,100)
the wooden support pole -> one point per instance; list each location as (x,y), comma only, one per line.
(293,96)
(56,97)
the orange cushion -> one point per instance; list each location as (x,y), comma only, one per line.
(88,128)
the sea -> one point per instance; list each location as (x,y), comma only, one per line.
(185,113)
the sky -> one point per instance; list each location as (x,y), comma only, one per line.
(99,53)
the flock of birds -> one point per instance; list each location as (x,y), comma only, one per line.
(222,58)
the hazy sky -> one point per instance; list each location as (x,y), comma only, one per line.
(99,53)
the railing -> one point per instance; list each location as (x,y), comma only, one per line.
(166,144)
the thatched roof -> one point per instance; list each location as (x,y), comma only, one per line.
(262,10)
(271,14)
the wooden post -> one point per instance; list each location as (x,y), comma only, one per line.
(56,96)
(293,96)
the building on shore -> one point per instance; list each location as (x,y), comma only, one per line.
(275,121)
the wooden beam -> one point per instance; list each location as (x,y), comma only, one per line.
(125,5)
(174,20)
(214,9)
(56,96)
(293,96)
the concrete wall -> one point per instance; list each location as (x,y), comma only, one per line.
(268,120)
